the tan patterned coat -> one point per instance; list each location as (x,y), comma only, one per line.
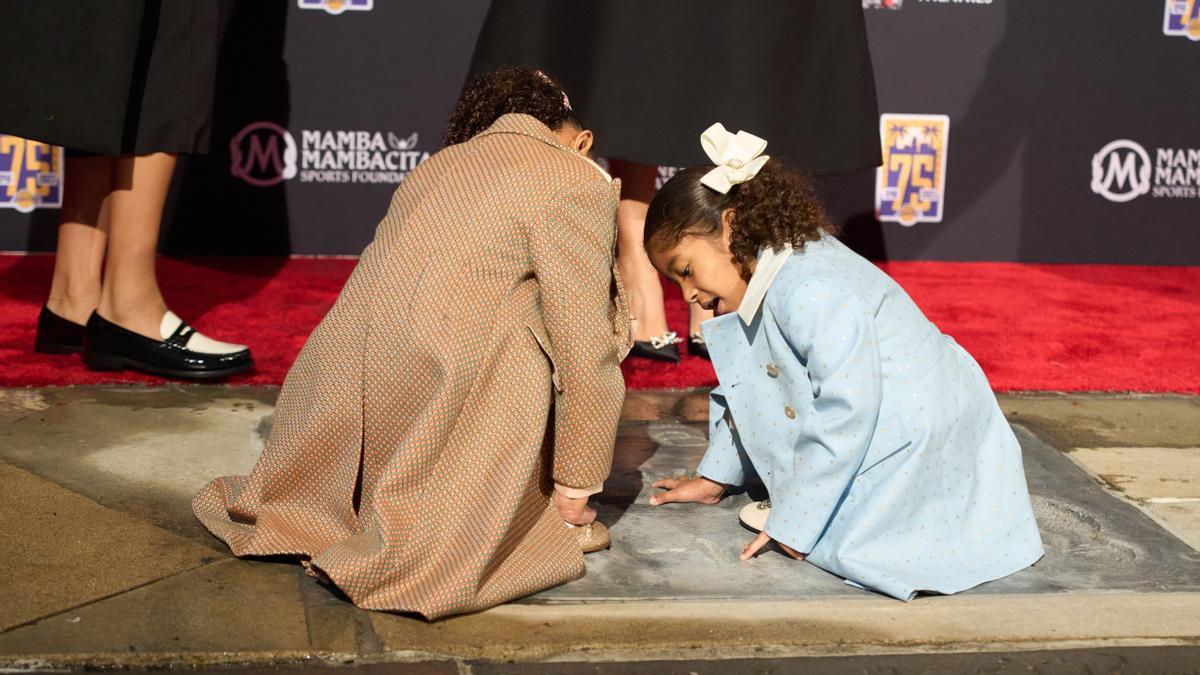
(471,361)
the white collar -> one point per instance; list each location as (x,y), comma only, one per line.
(599,168)
(770,262)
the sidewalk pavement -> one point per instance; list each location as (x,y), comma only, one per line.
(102,564)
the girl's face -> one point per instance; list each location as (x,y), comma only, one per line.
(705,270)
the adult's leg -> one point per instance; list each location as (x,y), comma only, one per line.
(696,316)
(130,295)
(82,238)
(641,280)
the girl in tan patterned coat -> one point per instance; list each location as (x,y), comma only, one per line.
(437,439)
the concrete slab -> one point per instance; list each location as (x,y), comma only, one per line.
(198,617)
(1145,473)
(671,585)
(141,450)
(1094,542)
(1089,421)
(1181,519)
(674,551)
(61,550)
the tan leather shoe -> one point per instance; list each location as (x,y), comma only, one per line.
(592,537)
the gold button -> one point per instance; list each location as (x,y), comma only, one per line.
(772,370)
(789,411)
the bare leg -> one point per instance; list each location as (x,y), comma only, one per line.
(696,316)
(82,236)
(639,276)
(130,295)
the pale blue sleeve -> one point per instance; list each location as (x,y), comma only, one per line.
(834,332)
(724,462)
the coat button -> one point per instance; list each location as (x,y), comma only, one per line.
(772,370)
(789,411)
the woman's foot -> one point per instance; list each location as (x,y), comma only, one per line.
(697,346)
(643,290)
(74,295)
(663,347)
(182,352)
(57,335)
(652,339)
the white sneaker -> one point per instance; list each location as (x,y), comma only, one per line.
(754,515)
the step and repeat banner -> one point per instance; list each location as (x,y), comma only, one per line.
(1024,130)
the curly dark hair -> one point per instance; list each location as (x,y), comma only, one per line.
(778,206)
(520,89)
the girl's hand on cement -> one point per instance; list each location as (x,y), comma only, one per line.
(687,490)
(762,540)
(574,511)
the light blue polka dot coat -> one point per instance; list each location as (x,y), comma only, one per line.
(880,443)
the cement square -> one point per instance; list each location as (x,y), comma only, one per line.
(233,606)
(61,550)
(1181,519)
(1145,473)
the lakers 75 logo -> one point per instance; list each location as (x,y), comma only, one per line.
(1182,17)
(910,186)
(31,174)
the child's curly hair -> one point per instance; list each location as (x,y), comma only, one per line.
(509,90)
(778,206)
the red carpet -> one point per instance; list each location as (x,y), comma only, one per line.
(1032,327)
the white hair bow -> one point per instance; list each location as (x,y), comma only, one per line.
(738,157)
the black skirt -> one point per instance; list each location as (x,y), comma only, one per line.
(111,77)
(648,77)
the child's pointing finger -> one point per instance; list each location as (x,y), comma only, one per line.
(753,547)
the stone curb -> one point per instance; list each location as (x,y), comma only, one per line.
(731,629)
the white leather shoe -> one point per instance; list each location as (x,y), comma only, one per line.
(754,515)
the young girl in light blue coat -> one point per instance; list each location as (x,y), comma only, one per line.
(884,454)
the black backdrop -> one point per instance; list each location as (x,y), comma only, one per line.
(323,106)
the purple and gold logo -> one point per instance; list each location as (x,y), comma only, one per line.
(338,6)
(1182,17)
(31,174)
(910,186)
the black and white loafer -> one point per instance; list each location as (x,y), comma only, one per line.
(56,335)
(183,352)
(697,346)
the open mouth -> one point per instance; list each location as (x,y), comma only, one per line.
(711,305)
